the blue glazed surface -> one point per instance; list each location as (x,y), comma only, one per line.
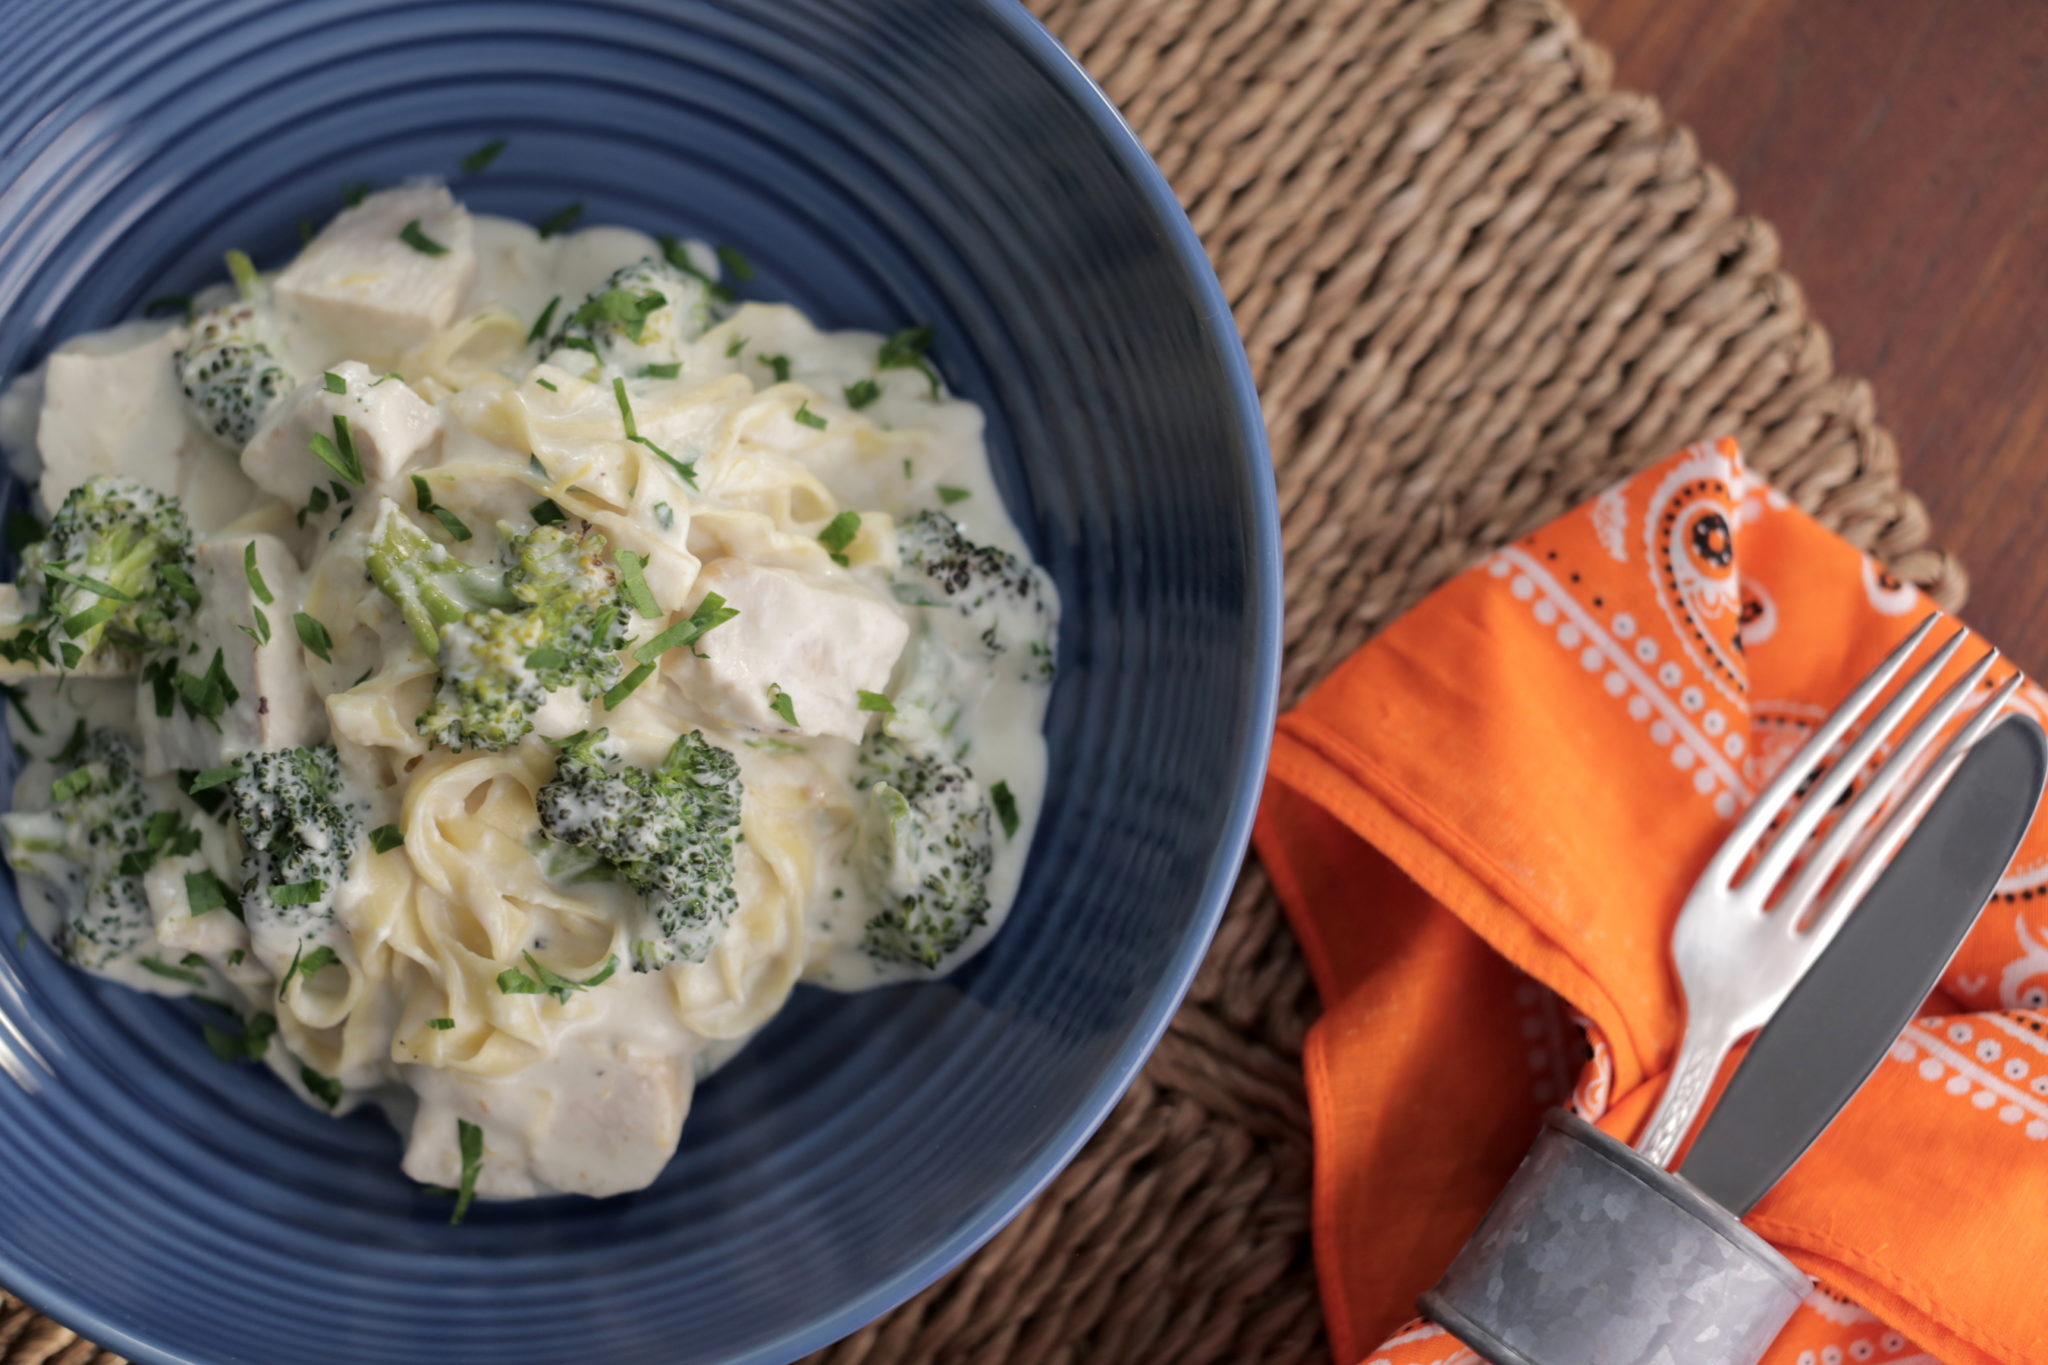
(883,162)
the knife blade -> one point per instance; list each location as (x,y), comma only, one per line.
(1843,1017)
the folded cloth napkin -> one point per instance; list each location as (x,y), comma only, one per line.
(1483,825)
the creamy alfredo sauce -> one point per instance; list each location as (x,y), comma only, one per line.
(447,368)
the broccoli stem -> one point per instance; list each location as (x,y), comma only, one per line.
(430,587)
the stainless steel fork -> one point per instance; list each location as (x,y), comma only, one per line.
(1758,917)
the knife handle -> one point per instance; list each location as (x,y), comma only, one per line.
(1594,1256)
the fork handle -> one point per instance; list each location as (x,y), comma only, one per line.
(1700,1055)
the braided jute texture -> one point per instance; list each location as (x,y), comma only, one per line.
(1477,285)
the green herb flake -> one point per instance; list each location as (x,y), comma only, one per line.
(325,1088)
(384,838)
(512,981)
(88,582)
(709,614)
(626,686)
(255,576)
(418,240)
(470,1141)
(547,513)
(668,371)
(780,703)
(838,534)
(443,1024)
(544,321)
(679,256)
(805,417)
(333,382)
(314,636)
(633,575)
(260,632)
(735,346)
(305,965)
(862,392)
(950,495)
(546,385)
(906,351)
(875,701)
(1006,808)
(170,973)
(476,161)
(777,363)
(450,523)
(626,309)
(205,892)
(736,265)
(212,777)
(298,893)
(561,220)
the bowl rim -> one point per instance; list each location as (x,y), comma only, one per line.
(1219,327)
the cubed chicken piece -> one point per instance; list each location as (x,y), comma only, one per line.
(388,426)
(112,405)
(798,643)
(276,707)
(383,276)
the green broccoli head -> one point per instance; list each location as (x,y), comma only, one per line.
(925,849)
(229,373)
(1006,602)
(299,832)
(92,846)
(668,831)
(644,314)
(551,617)
(113,572)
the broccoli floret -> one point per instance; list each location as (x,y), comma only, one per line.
(645,313)
(113,572)
(1006,602)
(299,831)
(551,618)
(925,849)
(92,845)
(229,373)
(669,831)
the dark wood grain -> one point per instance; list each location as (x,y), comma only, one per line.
(1900,147)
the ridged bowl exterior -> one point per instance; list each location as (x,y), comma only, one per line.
(883,162)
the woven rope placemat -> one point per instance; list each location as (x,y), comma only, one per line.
(1477,285)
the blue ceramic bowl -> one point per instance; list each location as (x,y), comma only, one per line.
(883,162)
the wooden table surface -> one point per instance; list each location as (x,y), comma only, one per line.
(1900,148)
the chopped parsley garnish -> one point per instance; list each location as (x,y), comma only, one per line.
(1006,808)
(666,515)
(686,472)
(384,838)
(779,364)
(626,686)
(168,303)
(483,156)
(512,981)
(255,576)
(247,1046)
(710,614)
(88,582)
(561,220)
(260,632)
(205,892)
(304,964)
(470,1140)
(235,957)
(735,346)
(325,1088)
(633,575)
(950,495)
(838,534)
(780,703)
(418,240)
(546,385)
(875,701)
(170,973)
(862,392)
(208,695)
(544,321)
(737,265)
(668,371)
(212,777)
(354,190)
(626,309)
(546,513)
(443,1024)
(314,636)
(906,351)
(424,495)
(298,893)
(338,454)
(333,382)
(805,417)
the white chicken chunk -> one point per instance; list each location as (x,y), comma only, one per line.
(385,275)
(112,405)
(796,641)
(275,707)
(388,426)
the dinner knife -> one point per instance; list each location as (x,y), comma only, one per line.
(1843,1017)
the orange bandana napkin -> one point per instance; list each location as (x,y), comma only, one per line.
(1483,825)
